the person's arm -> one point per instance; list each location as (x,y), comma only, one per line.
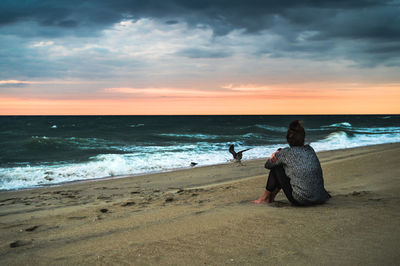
(274,160)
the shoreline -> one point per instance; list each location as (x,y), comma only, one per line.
(100,179)
(203,215)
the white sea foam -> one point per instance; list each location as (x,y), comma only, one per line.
(253,136)
(272,128)
(148,159)
(137,125)
(80,143)
(191,136)
(40,138)
(107,165)
(342,124)
(376,130)
(341,140)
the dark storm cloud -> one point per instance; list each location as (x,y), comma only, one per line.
(221,15)
(171,22)
(373,25)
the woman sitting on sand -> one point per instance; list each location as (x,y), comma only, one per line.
(296,170)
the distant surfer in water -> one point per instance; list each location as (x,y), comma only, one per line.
(236,155)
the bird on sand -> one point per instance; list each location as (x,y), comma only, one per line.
(236,155)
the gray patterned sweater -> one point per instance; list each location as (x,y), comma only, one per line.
(302,166)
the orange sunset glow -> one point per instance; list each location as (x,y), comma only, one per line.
(354,100)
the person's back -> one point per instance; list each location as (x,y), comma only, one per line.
(296,170)
(302,166)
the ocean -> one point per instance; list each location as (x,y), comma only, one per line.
(50,150)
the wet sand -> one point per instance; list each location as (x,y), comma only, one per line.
(202,216)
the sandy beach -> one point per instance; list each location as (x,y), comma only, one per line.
(203,216)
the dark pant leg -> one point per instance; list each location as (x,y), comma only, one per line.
(278,179)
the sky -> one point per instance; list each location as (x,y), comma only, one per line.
(169,57)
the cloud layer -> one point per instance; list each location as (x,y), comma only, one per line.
(196,45)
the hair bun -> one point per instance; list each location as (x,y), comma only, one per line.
(296,125)
(296,134)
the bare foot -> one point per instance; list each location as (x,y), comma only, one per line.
(260,200)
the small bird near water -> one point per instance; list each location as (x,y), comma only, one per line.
(236,155)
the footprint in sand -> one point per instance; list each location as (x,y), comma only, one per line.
(180,191)
(102,197)
(169,199)
(129,203)
(359,193)
(33,228)
(20,243)
(375,199)
(77,217)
